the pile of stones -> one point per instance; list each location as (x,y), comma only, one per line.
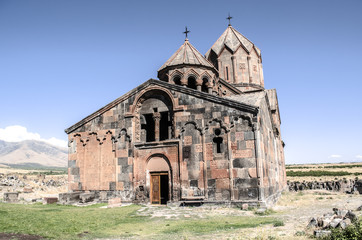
(11,180)
(346,186)
(340,218)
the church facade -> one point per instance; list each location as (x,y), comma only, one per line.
(206,131)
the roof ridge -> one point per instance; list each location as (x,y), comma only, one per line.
(185,52)
(193,49)
(226,34)
(203,57)
(241,35)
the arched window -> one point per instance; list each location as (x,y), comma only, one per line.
(204,88)
(155,117)
(177,80)
(218,141)
(191,82)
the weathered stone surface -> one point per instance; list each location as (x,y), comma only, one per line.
(87,197)
(335,222)
(11,197)
(313,223)
(50,200)
(344,223)
(346,186)
(68,198)
(352,216)
(322,233)
(332,220)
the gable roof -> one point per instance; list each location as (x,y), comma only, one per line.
(252,98)
(209,97)
(229,86)
(232,39)
(186,54)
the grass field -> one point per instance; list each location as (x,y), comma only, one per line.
(69,222)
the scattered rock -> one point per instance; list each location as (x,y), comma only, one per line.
(321,233)
(352,216)
(340,212)
(50,200)
(344,223)
(245,206)
(312,223)
(334,223)
(27,190)
(11,197)
(260,211)
(340,218)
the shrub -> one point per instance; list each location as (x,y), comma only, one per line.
(278,223)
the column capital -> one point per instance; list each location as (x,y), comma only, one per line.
(156,116)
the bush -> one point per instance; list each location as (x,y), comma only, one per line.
(278,223)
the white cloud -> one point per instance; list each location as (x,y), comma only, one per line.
(335,156)
(359,156)
(18,133)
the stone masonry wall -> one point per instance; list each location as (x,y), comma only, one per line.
(211,151)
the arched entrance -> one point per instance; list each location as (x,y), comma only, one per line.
(160,179)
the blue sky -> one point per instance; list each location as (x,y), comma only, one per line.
(62,60)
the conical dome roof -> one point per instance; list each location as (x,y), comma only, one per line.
(186,55)
(232,39)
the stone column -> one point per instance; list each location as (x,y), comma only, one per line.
(183,81)
(231,173)
(198,84)
(258,160)
(249,69)
(157,118)
(209,87)
(204,166)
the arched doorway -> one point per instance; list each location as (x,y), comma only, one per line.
(160,183)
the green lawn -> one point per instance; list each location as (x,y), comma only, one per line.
(69,222)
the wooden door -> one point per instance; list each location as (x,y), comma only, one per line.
(155,189)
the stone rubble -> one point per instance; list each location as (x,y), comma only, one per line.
(340,218)
(346,186)
(29,188)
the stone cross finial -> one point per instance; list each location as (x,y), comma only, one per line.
(229,18)
(186,32)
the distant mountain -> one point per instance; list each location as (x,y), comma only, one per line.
(31,152)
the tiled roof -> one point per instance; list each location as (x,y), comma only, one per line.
(186,54)
(232,39)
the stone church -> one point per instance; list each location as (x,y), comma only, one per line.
(207,131)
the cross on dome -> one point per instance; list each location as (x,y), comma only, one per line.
(229,18)
(186,32)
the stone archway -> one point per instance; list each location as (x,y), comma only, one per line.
(159,178)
